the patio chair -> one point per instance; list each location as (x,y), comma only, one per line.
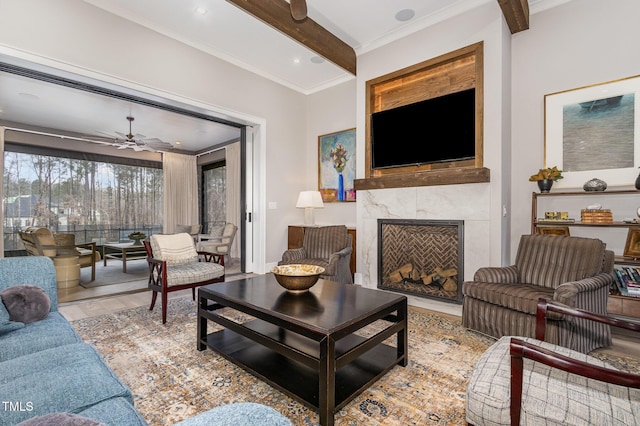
(43,242)
(174,264)
(218,243)
(536,382)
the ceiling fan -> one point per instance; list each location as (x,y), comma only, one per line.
(139,142)
(298,9)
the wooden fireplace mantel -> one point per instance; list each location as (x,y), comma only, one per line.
(425,178)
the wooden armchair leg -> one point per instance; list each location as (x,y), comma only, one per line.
(193,293)
(164,307)
(154,296)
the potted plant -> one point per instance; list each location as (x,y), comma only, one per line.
(546,177)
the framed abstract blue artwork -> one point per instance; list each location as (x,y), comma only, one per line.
(337,166)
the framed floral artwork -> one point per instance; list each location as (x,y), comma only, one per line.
(591,132)
(337,166)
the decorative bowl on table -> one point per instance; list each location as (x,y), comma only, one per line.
(137,238)
(297,278)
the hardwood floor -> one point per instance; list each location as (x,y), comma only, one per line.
(79,302)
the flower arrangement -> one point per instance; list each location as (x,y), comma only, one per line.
(137,236)
(549,173)
(338,156)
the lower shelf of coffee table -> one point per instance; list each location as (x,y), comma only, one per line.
(296,379)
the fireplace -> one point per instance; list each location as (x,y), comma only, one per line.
(421,257)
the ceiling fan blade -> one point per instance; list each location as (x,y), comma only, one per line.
(157,143)
(298,9)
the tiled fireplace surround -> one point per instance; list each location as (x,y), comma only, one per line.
(468,202)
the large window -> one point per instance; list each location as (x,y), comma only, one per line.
(97,201)
(214,195)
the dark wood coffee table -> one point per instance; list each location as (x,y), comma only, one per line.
(304,344)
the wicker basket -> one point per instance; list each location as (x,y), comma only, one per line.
(596,216)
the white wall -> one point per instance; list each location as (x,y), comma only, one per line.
(480,204)
(76,37)
(577,44)
(329,111)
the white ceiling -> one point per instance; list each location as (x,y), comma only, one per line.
(230,34)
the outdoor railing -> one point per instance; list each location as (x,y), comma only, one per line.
(83,234)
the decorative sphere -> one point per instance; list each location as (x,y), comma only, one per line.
(595,184)
(297,278)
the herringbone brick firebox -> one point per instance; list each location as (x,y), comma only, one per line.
(422,257)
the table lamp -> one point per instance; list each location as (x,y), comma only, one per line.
(309,200)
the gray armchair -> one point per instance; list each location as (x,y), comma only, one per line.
(575,271)
(326,246)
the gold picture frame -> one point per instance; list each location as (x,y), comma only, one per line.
(632,246)
(560,231)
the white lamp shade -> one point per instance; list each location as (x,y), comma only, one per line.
(308,199)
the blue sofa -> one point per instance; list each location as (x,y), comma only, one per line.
(46,368)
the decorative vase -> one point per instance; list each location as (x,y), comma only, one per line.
(340,187)
(545,185)
(638,182)
(137,241)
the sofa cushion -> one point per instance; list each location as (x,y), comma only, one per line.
(26,303)
(67,378)
(194,272)
(323,241)
(34,270)
(548,260)
(174,248)
(115,411)
(518,297)
(52,331)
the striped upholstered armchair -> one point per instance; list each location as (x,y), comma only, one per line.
(326,246)
(575,271)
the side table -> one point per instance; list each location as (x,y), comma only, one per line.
(67,271)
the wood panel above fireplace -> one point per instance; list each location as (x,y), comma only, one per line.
(449,73)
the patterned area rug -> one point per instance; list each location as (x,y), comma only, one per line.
(171,380)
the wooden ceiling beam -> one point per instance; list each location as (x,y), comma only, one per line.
(516,13)
(276,13)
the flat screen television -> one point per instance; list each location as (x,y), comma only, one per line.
(435,130)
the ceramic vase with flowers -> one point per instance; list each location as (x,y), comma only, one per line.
(339,159)
(546,177)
